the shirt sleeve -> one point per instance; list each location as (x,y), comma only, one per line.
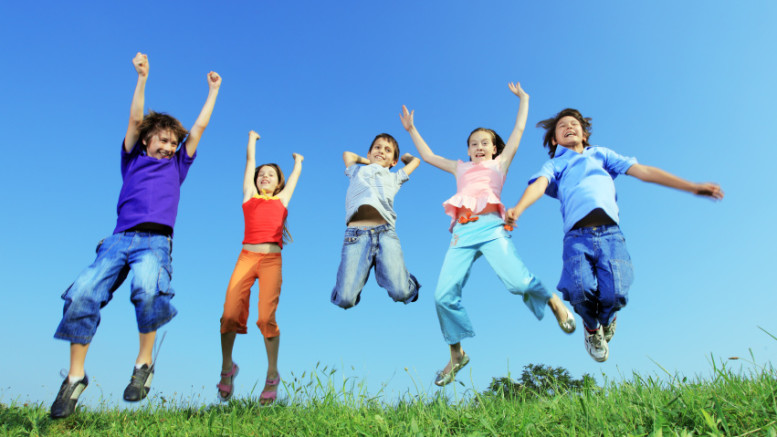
(616,164)
(127,157)
(184,161)
(401,177)
(351,170)
(548,172)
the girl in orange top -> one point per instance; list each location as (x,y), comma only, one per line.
(265,197)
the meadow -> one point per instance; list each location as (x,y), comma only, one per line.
(732,402)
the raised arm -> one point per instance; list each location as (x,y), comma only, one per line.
(249,185)
(507,155)
(657,176)
(291,183)
(531,194)
(423,149)
(411,163)
(350,158)
(214,82)
(140,61)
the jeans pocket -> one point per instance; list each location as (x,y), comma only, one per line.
(623,277)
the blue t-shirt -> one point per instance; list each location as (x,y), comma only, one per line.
(583,182)
(373,185)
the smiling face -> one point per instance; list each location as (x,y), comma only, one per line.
(569,133)
(383,153)
(267,180)
(161,144)
(480,146)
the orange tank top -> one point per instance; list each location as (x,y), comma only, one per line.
(264,218)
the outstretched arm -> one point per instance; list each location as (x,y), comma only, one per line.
(411,163)
(214,82)
(423,149)
(291,183)
(350,158)
(249,185)
(657,176)
(532,193)
(140,61)
(507,155)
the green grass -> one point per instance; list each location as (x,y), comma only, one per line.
(729,403)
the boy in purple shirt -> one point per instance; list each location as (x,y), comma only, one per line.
(153,168)
(597,268)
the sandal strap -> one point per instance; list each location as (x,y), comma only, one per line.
(231,372)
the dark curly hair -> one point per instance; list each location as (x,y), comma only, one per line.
(550,128)
(495,138)
(156,121)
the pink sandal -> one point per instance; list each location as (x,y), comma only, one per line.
(229,389)
(270,395)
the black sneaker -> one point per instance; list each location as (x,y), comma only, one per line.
(65,403)
(139,384)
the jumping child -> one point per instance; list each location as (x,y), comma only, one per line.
(266,197)
(477,224)
(597,268)
(153,167)
(370,239)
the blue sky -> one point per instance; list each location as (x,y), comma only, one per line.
(685,86)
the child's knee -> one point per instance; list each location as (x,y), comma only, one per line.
(268,327)
(344,301)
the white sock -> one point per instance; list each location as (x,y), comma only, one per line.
(73,380)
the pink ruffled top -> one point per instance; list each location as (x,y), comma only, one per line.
(477,185)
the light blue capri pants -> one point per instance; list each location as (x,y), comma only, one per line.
(469,241)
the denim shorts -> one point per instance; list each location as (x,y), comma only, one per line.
(367,247)
(148,257)
(597,270)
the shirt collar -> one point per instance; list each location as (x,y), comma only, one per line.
(265,195)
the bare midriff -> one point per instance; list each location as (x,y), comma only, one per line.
(465,212)
(263,248)
(366,216)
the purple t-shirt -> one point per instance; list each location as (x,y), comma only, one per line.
(151,188)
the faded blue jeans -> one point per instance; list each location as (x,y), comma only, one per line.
(147,256)
(597,273)
(366,247)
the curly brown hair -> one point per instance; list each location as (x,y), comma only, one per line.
(156,121)
(550,128)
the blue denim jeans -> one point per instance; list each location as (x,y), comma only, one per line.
(597,273)
(503,258)
(147,255)
(367,247)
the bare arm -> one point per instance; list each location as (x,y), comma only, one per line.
(140,61)
(507,155)
(249,185)
(350,158)
(532,193)
(214,82)
(411,163)
(657,176)
(423,149)
(291,184)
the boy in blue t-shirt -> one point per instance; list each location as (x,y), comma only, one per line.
(597,268)
(153,167)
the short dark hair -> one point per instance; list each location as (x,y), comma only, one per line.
(495,138)
(550,128)
(391,140)
(156,121)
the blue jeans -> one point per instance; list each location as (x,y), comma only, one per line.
(367,247)
(503,258)
(147,255)
(597,273)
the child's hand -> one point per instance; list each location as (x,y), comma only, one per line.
(297,157)
(709,189)
(214,80)
(407,158)
(407,119)
(517,90)
(140,61)
(253,136)
(511,216)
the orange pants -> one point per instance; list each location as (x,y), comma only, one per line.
(251,266)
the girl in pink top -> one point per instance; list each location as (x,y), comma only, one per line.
(477,226)
(265,197)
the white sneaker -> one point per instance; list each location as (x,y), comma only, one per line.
(609,330)
(596,346)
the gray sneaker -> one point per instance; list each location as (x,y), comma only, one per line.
(596,346)
(609,330)
(65,403)
(140,383)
